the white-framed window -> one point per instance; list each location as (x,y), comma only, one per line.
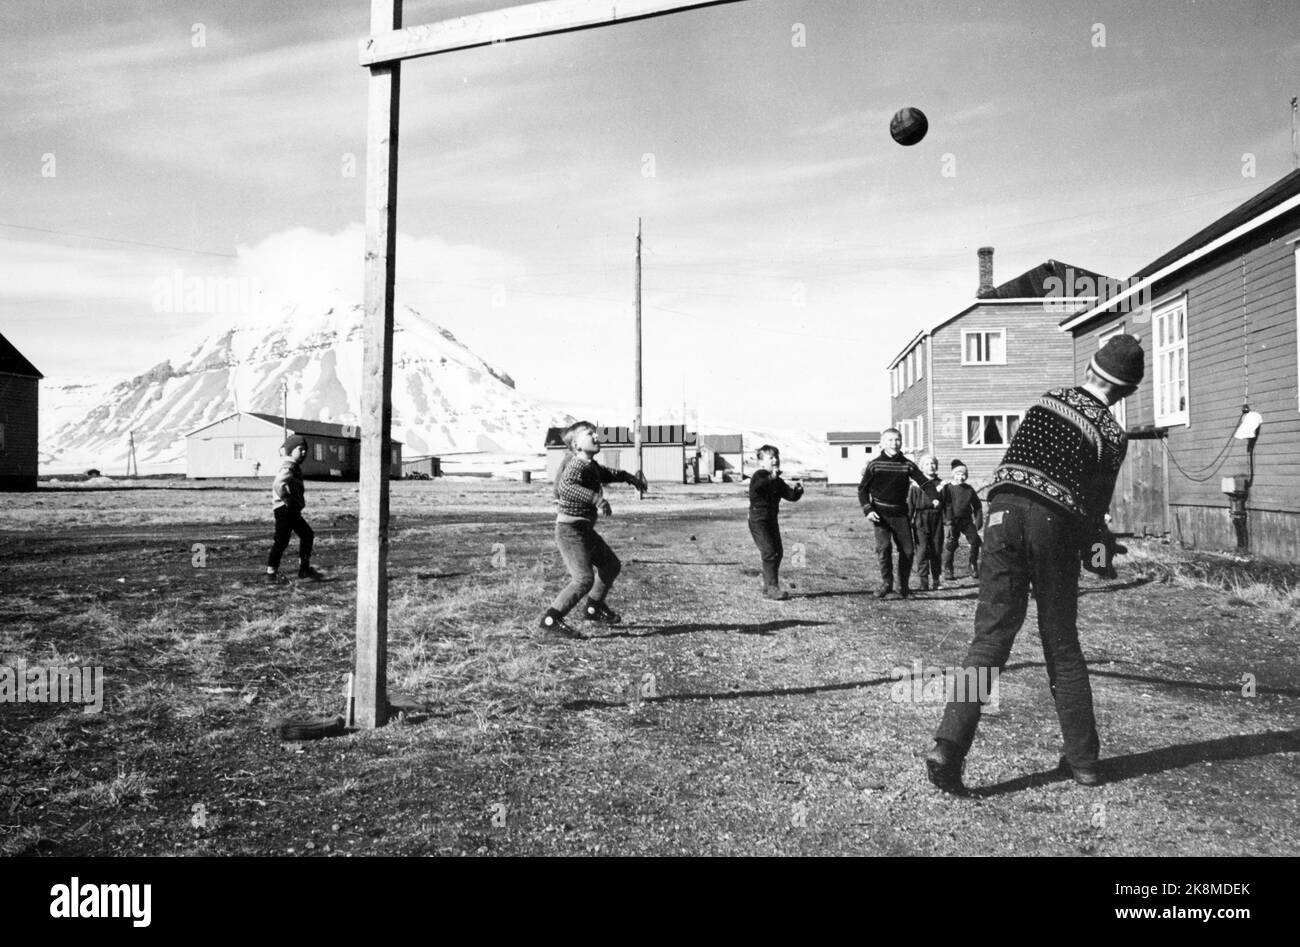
(988,429)
(1117,410)
(320,450)
(1169,330)
(907,430)
(920,432)
(984,346)
(239,450)
(893,381)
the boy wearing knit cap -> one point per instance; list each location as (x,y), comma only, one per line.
(288,498)
(1047,510)
(963,515)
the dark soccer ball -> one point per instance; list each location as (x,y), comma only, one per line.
(908,126)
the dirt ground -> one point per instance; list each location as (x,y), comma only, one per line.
(712,721)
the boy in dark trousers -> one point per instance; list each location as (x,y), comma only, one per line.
(288,498)
(927,524)
(766,491)
(962,514)
(882,494)
(579,497)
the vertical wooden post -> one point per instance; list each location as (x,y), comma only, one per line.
(636,433)
(377,377)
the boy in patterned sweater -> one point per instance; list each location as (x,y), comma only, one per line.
(578,495)
(1047,510)
(766,491)
(882,494)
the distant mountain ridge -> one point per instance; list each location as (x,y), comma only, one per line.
(446,399)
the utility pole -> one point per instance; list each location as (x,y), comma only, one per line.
(1295,136)
(284,407)
(132,467)
(636,431)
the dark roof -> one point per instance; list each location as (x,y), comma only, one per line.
(13,362)
(1270,197)
(347,432)
(852,437)
(723,443)
(1276,193)
(1031,283)
(622,436)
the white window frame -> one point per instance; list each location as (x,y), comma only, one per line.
(319,450)
(238,450)
(907,431)
(1160,353)
(1005,415)
(1118,410)
(920,432)
(965,333)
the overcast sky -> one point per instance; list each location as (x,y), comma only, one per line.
(791,247)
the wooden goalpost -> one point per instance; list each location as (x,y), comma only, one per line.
(382,52)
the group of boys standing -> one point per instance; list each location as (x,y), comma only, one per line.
(912,509)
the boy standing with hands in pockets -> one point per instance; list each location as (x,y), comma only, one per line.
(882,495)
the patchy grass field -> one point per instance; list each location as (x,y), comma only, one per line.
(713,721)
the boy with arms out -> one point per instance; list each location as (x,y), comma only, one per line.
(882,494)
(578,495)
(766,491)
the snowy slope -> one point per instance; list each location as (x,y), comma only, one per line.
(445,398)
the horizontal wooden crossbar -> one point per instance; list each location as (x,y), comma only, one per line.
(512,23)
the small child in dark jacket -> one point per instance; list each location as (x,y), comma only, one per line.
(927,523)
(766,491)
(579,497)
(962,513)
(287,502)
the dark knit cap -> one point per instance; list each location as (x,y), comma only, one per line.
(957,463)
(292,441)
(1119,361)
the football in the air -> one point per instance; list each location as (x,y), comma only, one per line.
(908,126)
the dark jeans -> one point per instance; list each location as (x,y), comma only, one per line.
(891,531)
(965,528)
(929,539)
(290,521)
(1030,545)
(583,550)
(767,536)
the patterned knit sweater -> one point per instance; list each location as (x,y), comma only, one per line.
(1067,451)
(578,487)
(885,482)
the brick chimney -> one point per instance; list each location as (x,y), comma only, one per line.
(986,272)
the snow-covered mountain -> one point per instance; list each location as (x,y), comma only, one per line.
(445,398)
